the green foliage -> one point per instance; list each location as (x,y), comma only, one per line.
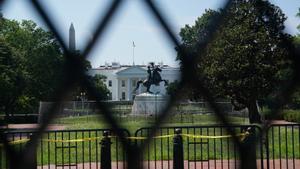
(291,115)
(35,66)
(100,86)
(193,35)
(297,40)
(98,83)
(295,98)
(297,37)
(11,78)
(248,56)
(172,88)
(298,15)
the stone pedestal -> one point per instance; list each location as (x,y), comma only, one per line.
(149,104)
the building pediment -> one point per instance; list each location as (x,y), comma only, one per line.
(134,70)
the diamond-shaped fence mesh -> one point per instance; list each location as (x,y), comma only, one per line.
(75,74)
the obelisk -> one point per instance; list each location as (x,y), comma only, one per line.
(72,46)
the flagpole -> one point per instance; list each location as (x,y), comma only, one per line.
(133,46)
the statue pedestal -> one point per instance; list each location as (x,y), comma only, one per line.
(149,104)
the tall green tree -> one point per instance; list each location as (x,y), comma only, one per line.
(193,35)
(248,56)
(32,67)
(40,61)
(172,88)
(295,99)
(11,79)
(297,37)
(100,86)
(98,83)
(298,15)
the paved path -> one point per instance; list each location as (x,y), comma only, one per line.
(281,122)
(211,164)
(32,126)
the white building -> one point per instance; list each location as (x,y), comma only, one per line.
(121,80)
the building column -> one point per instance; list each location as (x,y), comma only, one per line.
(140,88)
(129,92)
(117,89)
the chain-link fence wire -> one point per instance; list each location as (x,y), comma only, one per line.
(75,73)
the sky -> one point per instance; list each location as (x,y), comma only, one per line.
(132,23)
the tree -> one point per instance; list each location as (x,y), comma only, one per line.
(295,99)
(191,36)
(172,88)
(40,62)
(298,15)
(248,56)
(31,65)
(98,82)
(297,37)
(100,86)
(11,79)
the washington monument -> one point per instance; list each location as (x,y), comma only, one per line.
(72,46)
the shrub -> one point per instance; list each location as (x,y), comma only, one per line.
(291,115)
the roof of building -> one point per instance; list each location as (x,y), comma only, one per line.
(131,70)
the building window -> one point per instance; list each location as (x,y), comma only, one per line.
(123,83)
(123,95)
(109,83)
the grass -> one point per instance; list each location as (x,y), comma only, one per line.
(132,123)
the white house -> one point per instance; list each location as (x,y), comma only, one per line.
(121,80)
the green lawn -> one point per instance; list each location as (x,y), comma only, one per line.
(132,123)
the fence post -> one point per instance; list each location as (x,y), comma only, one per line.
(178,150)
(1,151)
(105,151)
(248,150)
(267,147)
(32,155)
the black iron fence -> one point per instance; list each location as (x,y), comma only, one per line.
(71,148)
(187,147)
(283,146)
(203,146)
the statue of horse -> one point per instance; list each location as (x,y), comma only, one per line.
(154,78)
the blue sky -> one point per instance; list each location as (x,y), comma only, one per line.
(132,23)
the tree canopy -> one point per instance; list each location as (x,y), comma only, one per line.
(248,56)
(31,65)
(297,37)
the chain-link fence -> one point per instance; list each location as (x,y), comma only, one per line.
(75,73)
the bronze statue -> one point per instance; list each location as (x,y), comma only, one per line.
(153,78)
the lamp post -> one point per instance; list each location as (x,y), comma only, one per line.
(82,97)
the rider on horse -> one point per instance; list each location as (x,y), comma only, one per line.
(153,78)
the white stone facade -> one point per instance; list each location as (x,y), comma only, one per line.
(121,79)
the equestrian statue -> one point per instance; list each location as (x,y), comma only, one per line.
(153,78)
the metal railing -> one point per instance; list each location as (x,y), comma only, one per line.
(71,148)
(180,147)
(203,146)
(283,146)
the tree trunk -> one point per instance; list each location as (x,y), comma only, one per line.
(254,116)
